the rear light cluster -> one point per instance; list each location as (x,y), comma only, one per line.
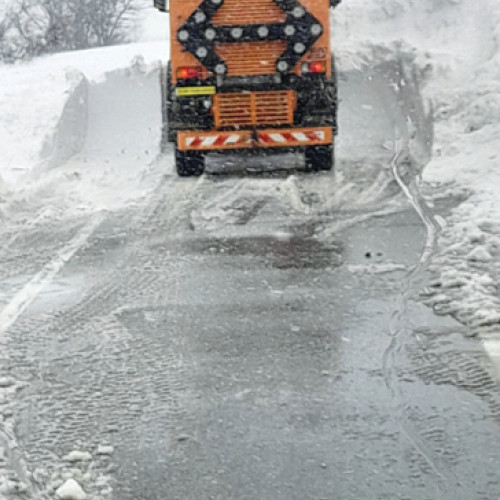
(193,72)
(189,72)
(313,67)
(198,35)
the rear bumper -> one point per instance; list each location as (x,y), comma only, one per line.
(254,139)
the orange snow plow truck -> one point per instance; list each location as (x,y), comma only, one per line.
(249,76)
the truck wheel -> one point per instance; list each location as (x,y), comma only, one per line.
(171,116)
(189,163)
(168,133)
(319,158)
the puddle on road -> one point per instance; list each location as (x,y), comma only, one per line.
(287,252)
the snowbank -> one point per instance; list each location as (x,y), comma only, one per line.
(33,96)
(111,162)
(45,107)
(456,44)
(68,136)
(31,101)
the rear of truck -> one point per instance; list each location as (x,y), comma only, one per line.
(249,76)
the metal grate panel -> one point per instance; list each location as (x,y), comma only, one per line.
(233,109)
(254,108)
(238,12)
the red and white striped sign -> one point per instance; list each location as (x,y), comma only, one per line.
(245,139)
(214,140)
(291,137)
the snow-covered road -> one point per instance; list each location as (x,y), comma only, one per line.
(231,336)
(242,358)
(256,336)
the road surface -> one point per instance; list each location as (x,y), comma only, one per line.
(244,337)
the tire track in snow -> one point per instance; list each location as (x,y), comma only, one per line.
(492,348)
(21,301)
(8,317)
(170,201)
(97,318)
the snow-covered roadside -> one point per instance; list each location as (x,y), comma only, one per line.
(33,95)
(457,46)
(44,109)
(79,133)
(467,154)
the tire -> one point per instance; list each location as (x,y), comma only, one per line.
(168,134)
(171,117)
(189,163)
(319,158)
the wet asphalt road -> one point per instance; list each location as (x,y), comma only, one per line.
(243,367)
(227,338)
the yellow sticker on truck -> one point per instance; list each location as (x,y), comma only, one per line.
(186,91)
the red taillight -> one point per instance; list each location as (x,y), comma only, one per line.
(316,67)
(189,72)
(313,67)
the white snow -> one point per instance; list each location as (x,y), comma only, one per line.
(479,254)
(78,456)
(457,46)
(45,109)
(71,490)
(103,449)
(6,382)
(379,268)
(153,25)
